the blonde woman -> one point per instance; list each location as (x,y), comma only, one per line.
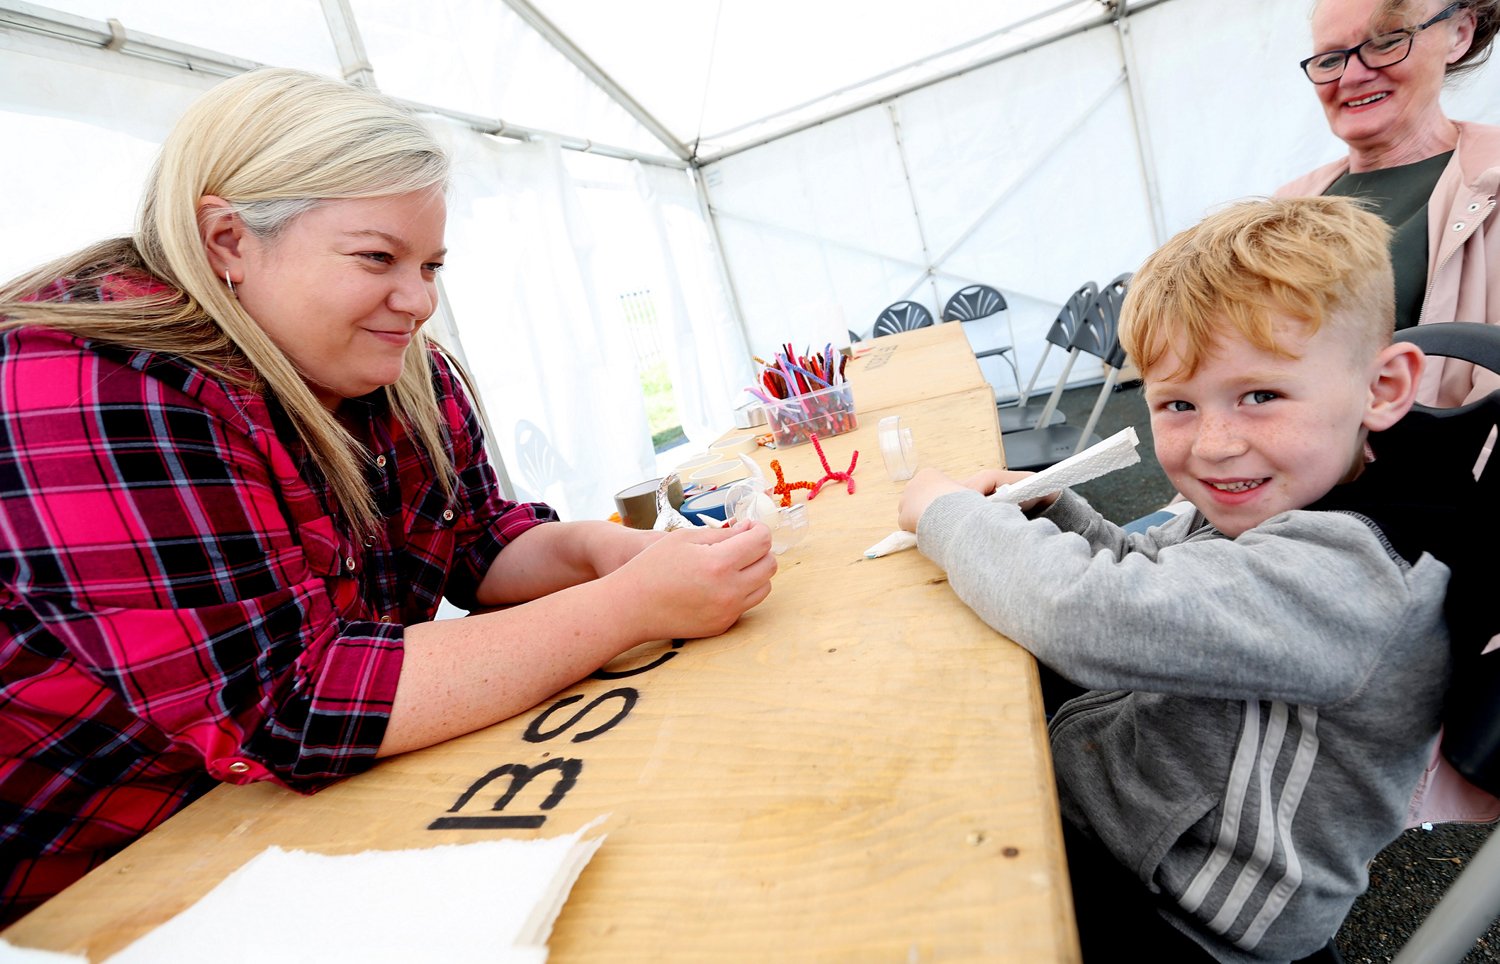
(236,479)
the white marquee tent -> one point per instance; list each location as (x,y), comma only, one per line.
(772,171)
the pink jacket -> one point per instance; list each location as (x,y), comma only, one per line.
(1463,284)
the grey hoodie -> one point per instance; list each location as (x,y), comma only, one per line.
(1262,709)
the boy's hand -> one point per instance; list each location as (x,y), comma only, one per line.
(925,486)
(986,481)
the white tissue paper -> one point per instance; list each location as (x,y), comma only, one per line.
(1115,452)
(492,902)
(11,954)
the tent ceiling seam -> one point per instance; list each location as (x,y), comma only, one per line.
(896,70)
(1140,128)
(916,211)
(1104,19)
(17,15)
(565,46)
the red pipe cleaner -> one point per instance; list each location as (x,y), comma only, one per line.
(832,475)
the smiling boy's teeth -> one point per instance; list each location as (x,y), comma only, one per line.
(1367,100)
(1237,486)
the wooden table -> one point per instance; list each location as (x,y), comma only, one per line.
(922,363)
(857,771)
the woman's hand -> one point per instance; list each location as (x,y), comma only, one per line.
(696,582)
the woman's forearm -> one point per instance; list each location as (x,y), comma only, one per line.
(548,558)
(458,675)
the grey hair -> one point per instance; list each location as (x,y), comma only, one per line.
(268,219)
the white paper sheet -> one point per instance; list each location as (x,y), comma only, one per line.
(1115,452)
(492,902)
(11,954)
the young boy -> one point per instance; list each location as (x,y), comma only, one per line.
(1265,674)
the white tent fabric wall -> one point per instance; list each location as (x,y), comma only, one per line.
(479,57)
(566,411)
(706,353)
(826,214)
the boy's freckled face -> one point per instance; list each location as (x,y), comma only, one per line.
(1253,434)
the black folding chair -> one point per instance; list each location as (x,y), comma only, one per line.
(1097,335)
(1023,416)
(1441,446)
(902,316)
(982,301)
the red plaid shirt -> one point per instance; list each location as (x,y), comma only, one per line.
(178,605)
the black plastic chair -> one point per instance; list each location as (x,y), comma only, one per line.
(1097,335)
(902,316)
(1023,416)
(982,301)
(1442,445)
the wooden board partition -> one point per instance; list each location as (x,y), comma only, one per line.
(921,363)
(857,771)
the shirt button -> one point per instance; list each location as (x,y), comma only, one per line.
(385,619)
(349,563)
(239,766)
(1459,226)
(380,461)
(369,541)
(447,515)
(1474,207)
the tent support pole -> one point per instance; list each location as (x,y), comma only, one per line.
(357,70)
(347,41)
(1138,123)
(716,241)
(57,25)
(1103,19)
(916,213)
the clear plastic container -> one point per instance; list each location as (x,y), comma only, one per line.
(828,412)
(897,448)
(751,500)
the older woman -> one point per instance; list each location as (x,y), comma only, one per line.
(1378,68)
(236,479)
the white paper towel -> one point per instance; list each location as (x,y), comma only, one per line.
(492,902)
(1115,452)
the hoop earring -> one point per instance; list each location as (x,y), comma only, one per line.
(230,283)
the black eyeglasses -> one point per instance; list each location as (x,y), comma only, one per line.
(1386,50)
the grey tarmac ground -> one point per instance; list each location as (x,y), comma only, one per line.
(1409,876)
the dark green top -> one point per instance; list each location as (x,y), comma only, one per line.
(1399,196)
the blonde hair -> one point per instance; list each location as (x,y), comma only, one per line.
(1314,259)
(273,143)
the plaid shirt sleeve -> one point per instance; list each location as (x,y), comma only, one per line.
(152,545)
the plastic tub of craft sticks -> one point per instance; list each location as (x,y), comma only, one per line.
(827,412)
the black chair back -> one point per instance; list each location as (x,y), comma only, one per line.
(1065,327)
(975,301)
(1443,449)
(902,316)
(1099,334)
